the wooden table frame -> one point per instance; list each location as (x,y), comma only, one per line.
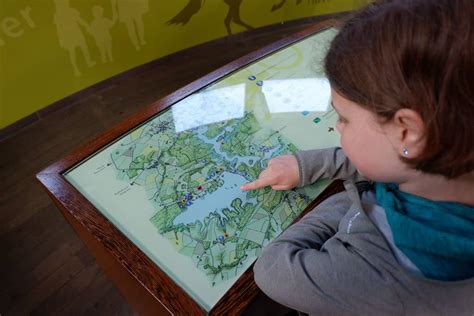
(148,289)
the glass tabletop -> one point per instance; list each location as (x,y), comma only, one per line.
(171,185)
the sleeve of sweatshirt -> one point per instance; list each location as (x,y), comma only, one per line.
(309,269)
(325,163)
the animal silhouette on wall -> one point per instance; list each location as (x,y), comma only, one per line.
(193,7)
(282,3)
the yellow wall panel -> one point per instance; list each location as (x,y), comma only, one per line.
(50,49)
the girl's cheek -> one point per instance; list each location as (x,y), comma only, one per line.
(342,142)
(339,127)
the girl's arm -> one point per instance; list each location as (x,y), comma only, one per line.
(305,167)
(325,163)
(285,271)
(312,269)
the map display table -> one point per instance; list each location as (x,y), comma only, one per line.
(159,195)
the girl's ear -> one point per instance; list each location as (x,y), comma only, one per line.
(407,133)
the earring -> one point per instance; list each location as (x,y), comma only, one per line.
(405,152)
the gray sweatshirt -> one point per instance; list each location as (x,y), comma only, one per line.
(339,259)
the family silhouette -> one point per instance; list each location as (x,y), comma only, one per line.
(70,29)
(69,26)
(100,29)
(130,12)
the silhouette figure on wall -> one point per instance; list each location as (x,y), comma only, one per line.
(100,30)
(68,25)
(130,12)
(193,7)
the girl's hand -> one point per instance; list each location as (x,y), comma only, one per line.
(282,173)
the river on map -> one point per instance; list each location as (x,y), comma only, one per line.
(215,201)
(222,197)
(249,160)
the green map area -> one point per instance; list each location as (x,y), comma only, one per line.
(192,179)
(172,185)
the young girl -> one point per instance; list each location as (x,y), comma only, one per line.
(402,76)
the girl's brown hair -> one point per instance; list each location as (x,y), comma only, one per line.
(416,54)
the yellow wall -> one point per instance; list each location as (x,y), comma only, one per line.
(38,39)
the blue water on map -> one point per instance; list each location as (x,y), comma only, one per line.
(223,196)
(217,148)
(215,201)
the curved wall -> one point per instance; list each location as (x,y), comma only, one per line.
(50,49)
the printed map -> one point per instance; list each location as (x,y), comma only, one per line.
(180,171)
(172,185)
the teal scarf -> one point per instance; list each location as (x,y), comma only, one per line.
(438,237)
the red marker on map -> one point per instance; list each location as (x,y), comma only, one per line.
(199,187)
